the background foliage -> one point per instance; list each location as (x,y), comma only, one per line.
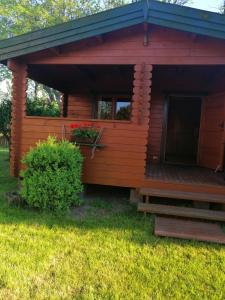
(5,117)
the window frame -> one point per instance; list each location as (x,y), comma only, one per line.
(114,99)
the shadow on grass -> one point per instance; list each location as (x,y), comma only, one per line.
(108,209)
(139,228)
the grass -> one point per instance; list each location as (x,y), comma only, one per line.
(102,256)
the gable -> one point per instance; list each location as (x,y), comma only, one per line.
(152,12)
(165,46)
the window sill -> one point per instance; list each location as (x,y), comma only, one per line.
(79,120)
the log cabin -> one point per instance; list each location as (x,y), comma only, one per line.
(164,65)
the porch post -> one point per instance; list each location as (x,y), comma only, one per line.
(19,85)
(141,102)
(64,105)
(141,94)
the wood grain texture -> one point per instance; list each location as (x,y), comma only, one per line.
(121,162)
(189,229)
(212,138)
(186,212)
(167,47)
(184,187)
(80,106)
(173,194)
(19,82)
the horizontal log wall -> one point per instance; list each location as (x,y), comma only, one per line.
(212,132)
(156,124)
(121,162)
(80,106)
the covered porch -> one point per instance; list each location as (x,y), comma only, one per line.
(192,175)
(186,131)
(178,142)
(163,124)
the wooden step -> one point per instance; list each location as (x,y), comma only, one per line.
(187,212)
(182,195)
(189,229)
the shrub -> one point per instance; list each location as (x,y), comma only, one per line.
(52,179)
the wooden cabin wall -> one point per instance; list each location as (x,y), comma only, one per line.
(166,47)
(123,159)
(183,81)
(80,106)
(212,132)
(155,126)
(121,162)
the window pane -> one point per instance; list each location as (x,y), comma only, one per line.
(123,109)
(105,109)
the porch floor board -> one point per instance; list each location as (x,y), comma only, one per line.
(185,174)
(186,212)
(189,229)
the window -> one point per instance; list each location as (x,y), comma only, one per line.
(114,108)
(105,108)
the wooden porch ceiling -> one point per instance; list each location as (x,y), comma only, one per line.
(84,79)
(119,78)
(190,79)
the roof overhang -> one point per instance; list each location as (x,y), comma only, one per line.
(152,12)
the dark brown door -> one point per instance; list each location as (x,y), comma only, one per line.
(182,130)
(212,137)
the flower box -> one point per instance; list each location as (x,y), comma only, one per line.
(84,133)
(83,140)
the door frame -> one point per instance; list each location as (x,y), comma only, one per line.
(221,165)
(166,104)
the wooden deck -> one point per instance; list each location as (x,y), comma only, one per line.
(184,179)
(197,196)
(185,174)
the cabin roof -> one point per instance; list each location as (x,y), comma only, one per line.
(146,11)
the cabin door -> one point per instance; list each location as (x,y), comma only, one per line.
(182,130)
(212,132)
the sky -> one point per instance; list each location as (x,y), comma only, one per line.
(211,5)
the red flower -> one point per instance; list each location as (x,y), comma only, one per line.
(74,125)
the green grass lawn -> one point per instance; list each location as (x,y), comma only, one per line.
(110,255)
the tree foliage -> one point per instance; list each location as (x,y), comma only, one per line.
(42,107)
(22,16)
(179,2)
(5,116)
(222,8)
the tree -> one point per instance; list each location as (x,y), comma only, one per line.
(17,17)
(223,8)
(5,117)
(179,2)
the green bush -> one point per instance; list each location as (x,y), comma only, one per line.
(52,179)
